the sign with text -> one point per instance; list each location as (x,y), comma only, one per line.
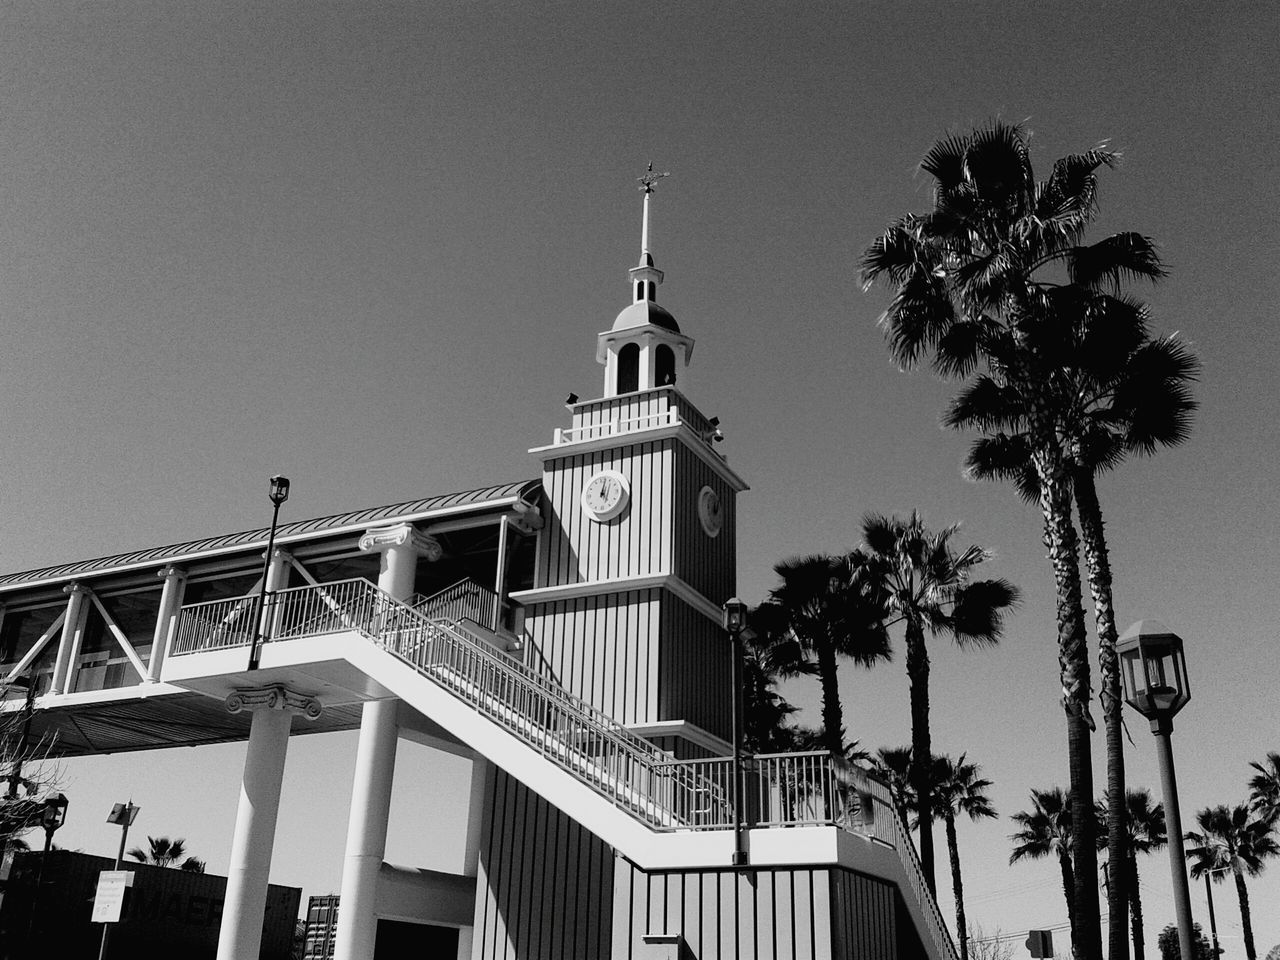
(110,896)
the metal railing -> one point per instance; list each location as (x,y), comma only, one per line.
(464,600)
(780,790)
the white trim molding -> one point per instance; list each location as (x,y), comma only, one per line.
(592,588)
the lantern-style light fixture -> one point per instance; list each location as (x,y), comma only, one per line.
(1153,670)
(279,489)
(54,814)
(735,615)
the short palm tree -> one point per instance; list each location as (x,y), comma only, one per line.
(959,791)
(1264,787)
(1232,837)
(1045,830)
(925,584)
(893,764)
(164,852)
(972,279)
(770,654)
(823,607)
(1145,832)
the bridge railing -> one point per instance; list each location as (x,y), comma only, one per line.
(779,790)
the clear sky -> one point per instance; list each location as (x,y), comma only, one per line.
(369,246)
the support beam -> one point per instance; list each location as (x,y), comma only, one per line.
(72,635)
(400,546)
(175,584)
(240,935)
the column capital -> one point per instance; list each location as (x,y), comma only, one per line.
(171,571)
(76,587)
(400,535)
(275,697)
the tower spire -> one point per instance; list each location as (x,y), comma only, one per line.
(645,277)
(646,185)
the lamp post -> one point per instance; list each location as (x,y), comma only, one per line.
(123,814)
(279,494)
(1154,673)
(52,816)
(735,624)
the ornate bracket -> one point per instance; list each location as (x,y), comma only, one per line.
(399,535)
(273,698)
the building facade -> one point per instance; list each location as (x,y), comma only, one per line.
(564,634)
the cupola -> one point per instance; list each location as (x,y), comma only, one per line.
(644,346)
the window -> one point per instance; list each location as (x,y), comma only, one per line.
(629,368)
(665,366)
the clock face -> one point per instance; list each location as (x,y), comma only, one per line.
(710,513)
(605,495)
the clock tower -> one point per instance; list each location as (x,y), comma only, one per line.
(639,549)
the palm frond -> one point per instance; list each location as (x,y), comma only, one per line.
(1108,263)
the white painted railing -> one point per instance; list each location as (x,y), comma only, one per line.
(780,790)
(611,428)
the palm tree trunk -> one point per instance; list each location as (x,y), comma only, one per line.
(1246,918)
(957,886)
(832,714)
(1068,891)
(921,746)
(1098,564)
(1139,938)
(1073,665)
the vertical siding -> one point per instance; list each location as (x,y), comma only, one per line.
(707,564)
(724,915)
(636,543)
(545,885)
(603,649)
(695,672)
(865,915)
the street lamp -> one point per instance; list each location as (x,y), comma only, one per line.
(735,624)
(124,814)
(1154,673)
(53,814)
(279,494)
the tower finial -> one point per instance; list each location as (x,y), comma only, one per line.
(646,185)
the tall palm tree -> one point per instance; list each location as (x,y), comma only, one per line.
(824,607)
(1045,830)
(959,791)
(1123,393)
(1232,837)
(1145,832)
(972,281)
(1264,787)
(928,587)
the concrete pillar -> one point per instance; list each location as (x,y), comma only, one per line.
(477,813)
(400,546)
(240,935)
(175,582)
(72,635)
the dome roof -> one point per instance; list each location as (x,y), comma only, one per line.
(644,312)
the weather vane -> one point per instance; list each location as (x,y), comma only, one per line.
(649,179)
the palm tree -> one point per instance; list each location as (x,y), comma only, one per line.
(926,585)
(1264,787)
(163,852)
(770,654)
(824,608)
(1232,837)
(1145,833)
(959,790)
(893,764)
(1044,830)
(1123,393)
(972,283)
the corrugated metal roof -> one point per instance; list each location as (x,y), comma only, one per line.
(285,533)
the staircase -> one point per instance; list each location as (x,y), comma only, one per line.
(645,783)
